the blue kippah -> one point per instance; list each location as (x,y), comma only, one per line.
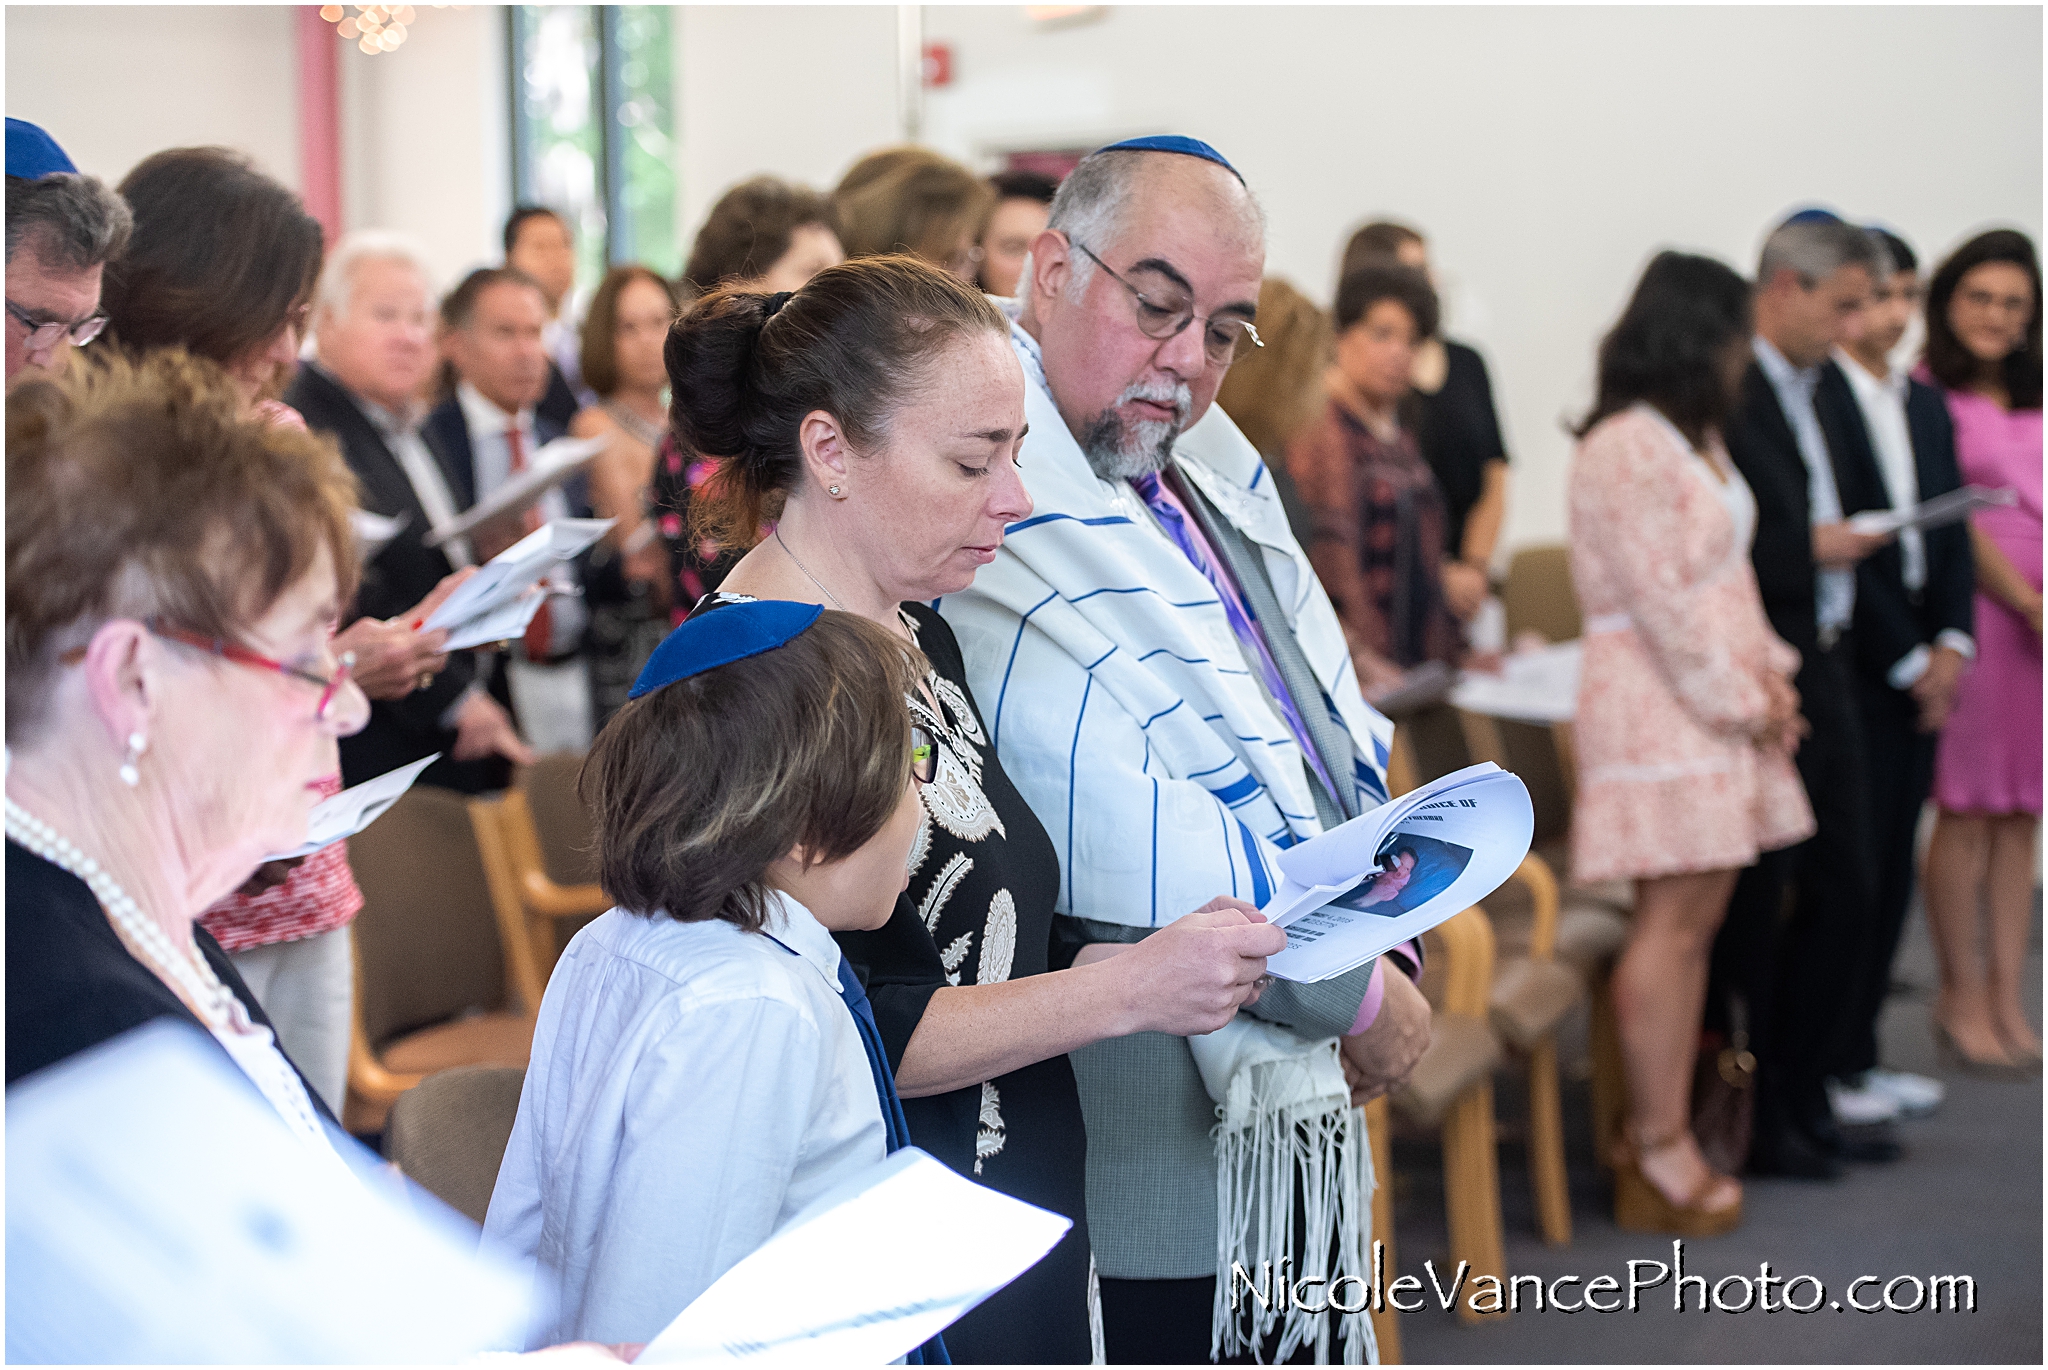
(33,154)
(1174,142)
(1815,216)
(722,636)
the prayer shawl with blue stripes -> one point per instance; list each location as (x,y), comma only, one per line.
(1125,712)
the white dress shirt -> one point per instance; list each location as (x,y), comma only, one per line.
(693,1086)
(490,452)
(1883,403)
(1834,599)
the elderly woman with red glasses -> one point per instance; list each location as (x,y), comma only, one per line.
(174,574)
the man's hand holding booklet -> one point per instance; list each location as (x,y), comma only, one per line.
(1394,873)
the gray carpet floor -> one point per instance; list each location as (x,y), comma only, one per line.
(1965,1200)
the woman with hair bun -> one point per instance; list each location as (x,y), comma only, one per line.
(875,417)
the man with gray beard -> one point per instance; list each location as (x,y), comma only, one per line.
(1169,688)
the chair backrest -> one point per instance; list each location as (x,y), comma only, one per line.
(448,1133)
(568,838)
(1538,594)
(428,940)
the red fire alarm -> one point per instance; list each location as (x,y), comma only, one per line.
(938,65)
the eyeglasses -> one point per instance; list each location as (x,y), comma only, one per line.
(44,333)
(1163,316)
(329,686)
(924,755)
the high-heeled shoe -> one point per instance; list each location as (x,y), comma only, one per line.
(2028,1058)
(1955,1058)
(1639,1206)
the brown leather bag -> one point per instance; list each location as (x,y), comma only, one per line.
(1724,1100)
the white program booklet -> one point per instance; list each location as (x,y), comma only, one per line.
(373,531)
(487,607)
(354,809)
(158,1210)
(1394,873)
(1953,507)
(1540,686)
(551,465)
(866,1274)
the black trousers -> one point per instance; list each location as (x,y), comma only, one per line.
(1166,1322)
(1794,961)
(1901,773)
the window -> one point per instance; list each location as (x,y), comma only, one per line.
(593,124)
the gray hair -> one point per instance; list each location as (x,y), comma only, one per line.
(1814,249)
(1089,205)
(71,222)
(338,276)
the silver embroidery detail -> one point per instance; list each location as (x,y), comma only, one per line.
(999,942)
(994,1131)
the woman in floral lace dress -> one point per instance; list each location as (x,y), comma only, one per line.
(1687,719)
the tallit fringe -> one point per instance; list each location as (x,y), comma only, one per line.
(1324,1143)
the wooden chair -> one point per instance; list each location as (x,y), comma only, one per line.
(1537,595)
(1386,1322)
(448,1134)
(437,984)
(1451,1090)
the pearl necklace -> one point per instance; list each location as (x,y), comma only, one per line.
(216,1004)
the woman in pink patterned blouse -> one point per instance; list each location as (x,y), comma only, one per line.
(1687,719)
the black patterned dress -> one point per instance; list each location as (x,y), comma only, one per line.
(983,878)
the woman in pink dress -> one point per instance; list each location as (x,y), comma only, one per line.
(1984,350)
(1687,719)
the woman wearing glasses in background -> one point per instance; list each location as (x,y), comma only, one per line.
(222,262)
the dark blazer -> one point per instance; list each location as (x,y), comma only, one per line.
(558,406)
(71,985)
(447,435)
(398,577)
(1762,445)
(1890,620)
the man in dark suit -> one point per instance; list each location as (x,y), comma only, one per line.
(539,243)
(1814,278)
(373,349)
(1913,631)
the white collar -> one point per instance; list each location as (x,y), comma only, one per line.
(483,416)
(1781,371)
(1893,382)
(798,929)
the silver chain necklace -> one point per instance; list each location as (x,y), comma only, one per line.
(807,571)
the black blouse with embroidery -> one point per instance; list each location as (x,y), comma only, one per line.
(983,879)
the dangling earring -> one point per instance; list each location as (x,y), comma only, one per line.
(137,745)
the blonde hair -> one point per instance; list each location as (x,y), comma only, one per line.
(1273,390)
(906,199)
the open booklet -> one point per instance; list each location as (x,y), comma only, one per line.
(355,808)
(551,465)
(1953,507)
(158,1210)
(497,603)
(871,1270)
(1394,873)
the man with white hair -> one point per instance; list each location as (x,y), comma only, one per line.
(1169,687)
(373,349)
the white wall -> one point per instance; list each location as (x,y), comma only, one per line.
(115,83)
(798,90)
(1547,152)
(425,138)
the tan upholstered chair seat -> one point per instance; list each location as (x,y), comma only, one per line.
(1530,998)
(1589,937)
(1462,1051)
(448,1133)
(492,1039)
